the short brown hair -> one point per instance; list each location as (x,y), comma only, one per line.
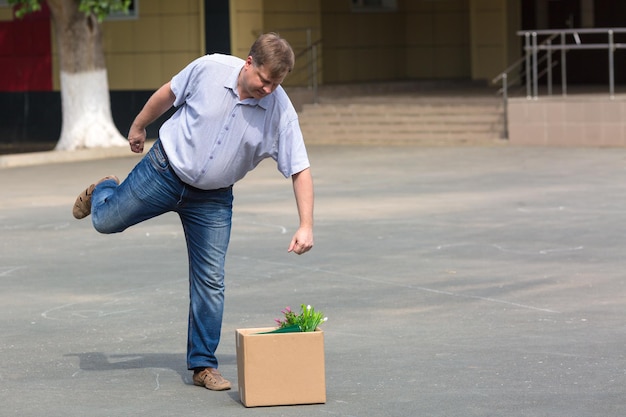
(274,53)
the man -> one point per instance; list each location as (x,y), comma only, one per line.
(231,115)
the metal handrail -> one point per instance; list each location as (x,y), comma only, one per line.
(515,64)
(311,53)
(521,73)
(532,49)
(521,63)
(531,60)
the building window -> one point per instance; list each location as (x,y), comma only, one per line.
(374,5)
(133,12)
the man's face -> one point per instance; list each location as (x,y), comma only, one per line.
(256,81)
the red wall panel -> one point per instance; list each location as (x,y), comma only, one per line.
(25,53)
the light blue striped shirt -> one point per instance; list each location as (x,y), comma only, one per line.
(214,138)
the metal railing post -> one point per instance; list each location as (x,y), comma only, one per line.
(527,48)
(563,66)
(314,65)
(309,71)
(549,63)
(611,66)
(505,98)
(535,64)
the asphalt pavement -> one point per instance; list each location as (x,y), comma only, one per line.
(457,281)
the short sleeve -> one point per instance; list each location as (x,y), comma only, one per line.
(183,83)
(292,155)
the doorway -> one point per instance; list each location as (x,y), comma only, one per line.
(584,67)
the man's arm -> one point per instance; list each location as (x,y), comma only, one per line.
(302,240)
(157,104)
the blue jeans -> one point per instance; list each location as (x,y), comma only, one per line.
(152,189)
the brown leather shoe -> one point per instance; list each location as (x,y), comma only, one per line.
(82,205)
(210,378)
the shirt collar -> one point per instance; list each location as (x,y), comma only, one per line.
(231,83)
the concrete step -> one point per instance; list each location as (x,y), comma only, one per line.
(413,108)
(397,139)
(402,117)
(395,123)
(388,118)
(413,121)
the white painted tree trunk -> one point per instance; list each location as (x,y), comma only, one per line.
(85,103)
(87,120)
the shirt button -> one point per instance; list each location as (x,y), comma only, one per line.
(226,128)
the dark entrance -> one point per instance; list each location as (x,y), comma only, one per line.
(584,67)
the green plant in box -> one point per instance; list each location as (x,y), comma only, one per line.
(307,321)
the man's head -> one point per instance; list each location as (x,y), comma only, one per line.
(269,61)
(274,53)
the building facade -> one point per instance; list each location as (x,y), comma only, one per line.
(336,42)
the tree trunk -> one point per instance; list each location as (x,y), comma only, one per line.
(86,106)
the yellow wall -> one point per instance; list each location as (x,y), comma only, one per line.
(246,23)
(437,39)
(493,42)
(514,24)
(423,39)
(144,53)
(298,21)
(6,14)
(361,46)
(289,18)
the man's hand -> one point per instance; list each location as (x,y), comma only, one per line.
(160,102)
(303,189)
(302,241)
(136,138)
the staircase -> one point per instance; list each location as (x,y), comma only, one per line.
(404,119)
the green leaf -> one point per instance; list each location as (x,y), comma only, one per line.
(102,8)
(25,7)
(289,329)
(99,8)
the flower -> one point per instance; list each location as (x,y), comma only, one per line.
(307,321)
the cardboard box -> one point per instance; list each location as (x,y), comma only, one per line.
(280,368)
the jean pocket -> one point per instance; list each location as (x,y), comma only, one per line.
(158,158)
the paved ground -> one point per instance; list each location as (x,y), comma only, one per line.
(483,281)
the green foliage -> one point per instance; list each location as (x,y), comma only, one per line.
(306,321)
(99,8)
(102,8)
(26,6)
